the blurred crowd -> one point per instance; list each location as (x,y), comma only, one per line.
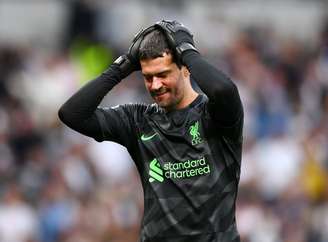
(59,186)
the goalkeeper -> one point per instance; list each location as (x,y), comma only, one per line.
(186,146)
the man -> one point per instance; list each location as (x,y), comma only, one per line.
(186,146)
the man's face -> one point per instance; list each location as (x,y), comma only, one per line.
(164,81)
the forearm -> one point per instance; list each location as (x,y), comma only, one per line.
(222,92)
(78,111)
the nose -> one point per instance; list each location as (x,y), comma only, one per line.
(156,83)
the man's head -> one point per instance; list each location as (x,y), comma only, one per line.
(154,45)
(167,81)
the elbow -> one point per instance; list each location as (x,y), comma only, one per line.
(232,89)
(224,86)
(228,89)
(63,115)
(67,117)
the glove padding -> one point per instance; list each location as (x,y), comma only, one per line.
(129,62)
(178,36)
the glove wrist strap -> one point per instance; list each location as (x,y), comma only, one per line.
(184,47)
(125,65)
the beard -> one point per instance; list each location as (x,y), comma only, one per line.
(166,98)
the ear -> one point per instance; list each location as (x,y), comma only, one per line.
(185,72)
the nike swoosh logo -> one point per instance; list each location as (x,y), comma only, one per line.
(145,138)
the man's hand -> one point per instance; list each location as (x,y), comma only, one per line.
(179,37)
(129,62)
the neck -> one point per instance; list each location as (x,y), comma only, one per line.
(188,99)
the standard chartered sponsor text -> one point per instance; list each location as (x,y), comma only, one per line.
(186,169)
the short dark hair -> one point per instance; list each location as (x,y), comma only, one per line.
(154,45)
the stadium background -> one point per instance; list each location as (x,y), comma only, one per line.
(58,186)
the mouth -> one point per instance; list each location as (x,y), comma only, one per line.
(159,93)
(160,97)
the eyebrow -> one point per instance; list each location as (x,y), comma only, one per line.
(156,74)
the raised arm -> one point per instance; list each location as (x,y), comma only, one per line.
(80,111)
(224,101)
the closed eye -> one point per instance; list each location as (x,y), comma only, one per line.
(162,74)
(148,77)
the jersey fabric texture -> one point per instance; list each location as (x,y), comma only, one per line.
(189,168)
(188,159)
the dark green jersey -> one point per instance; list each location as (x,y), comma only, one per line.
(188,159)
(189,168)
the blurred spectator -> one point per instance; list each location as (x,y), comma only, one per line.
(18,220)
(57,209)
(82,22)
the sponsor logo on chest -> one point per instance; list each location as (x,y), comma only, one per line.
(178,170)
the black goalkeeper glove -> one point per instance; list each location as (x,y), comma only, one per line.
(179,37)
(129,62)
